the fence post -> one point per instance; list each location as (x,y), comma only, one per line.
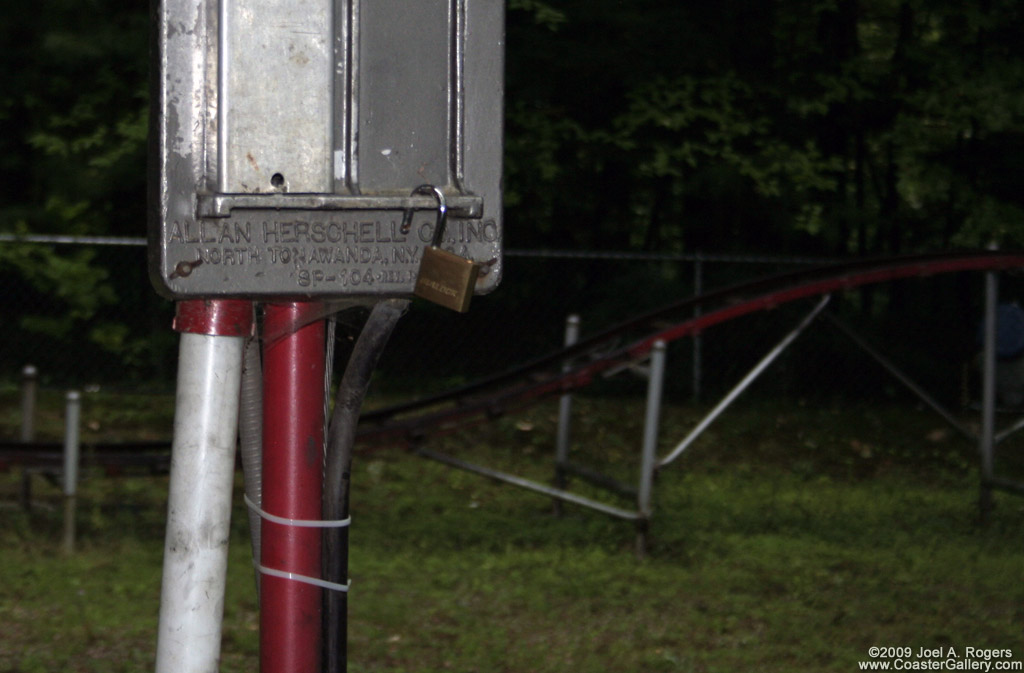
(29,380)
(648,457)
(698,290)
(29,386)
(562,440)
(988,396)
(72,414)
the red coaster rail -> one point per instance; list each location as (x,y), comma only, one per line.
(443,413)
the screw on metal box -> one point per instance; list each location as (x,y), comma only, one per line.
(444,277)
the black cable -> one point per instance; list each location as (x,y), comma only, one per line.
(337,472)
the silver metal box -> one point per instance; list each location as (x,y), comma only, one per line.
(288,135)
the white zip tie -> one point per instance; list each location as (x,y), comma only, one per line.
(300,523)
(324,584)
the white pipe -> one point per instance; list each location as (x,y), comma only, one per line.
(199,503)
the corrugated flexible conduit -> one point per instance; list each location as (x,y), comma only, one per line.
(250,439)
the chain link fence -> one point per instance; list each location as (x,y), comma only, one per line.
(118,335)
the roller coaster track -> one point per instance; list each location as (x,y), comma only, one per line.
(154,456)
(477,402)
(521,386)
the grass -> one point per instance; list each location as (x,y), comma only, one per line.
(790,538)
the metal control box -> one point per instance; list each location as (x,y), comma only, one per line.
(288,135)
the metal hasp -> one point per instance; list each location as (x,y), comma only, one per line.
(287,135)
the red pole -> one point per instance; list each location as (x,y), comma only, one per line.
(293,420)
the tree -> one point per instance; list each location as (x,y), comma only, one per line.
(74,92)
(843,126)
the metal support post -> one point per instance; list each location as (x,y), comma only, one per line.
(213,336)
(902,378)
(744,384)
(529,485)
(72,414)
(648,455)
(563,438)
(29,387)
(650,445)
(988,396)
(698,290)
(293,460)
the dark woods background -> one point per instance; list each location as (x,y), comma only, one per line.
(812,128)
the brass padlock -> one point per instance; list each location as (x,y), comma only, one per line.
(444,277)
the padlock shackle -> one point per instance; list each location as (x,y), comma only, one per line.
(442,212)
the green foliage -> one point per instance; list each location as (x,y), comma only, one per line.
(76,90)
(73,101)
(544,14)
(854,126)
(71,279)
